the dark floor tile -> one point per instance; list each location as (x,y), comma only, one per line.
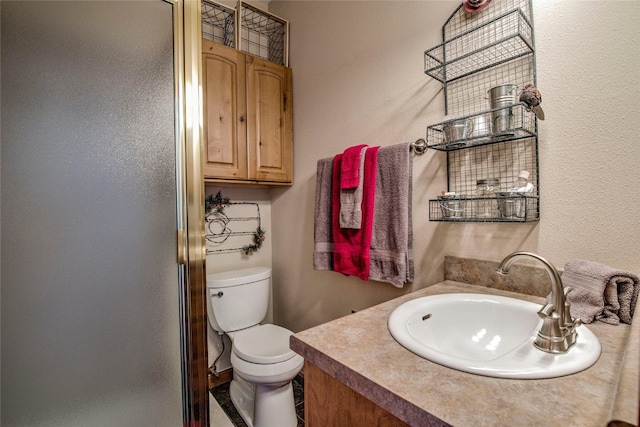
(221,394)
(298,394)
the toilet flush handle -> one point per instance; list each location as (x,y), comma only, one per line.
(220,294)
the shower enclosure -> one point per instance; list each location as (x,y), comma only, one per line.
(100,241)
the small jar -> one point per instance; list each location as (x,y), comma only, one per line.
(521,183)
(487,205)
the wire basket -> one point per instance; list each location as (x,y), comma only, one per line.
(506,207)
(263,34)
(259,33)
(497,41)
(218,23)
(486,128)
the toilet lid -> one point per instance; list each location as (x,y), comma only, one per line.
(264,344)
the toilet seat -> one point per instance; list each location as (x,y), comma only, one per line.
(261,355)
(276,374)
(263,344)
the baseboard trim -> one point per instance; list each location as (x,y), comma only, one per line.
(222,378)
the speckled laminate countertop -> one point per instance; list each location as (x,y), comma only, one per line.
(359,351)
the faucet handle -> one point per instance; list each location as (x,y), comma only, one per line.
(546,311)
(570,324)
(568,321)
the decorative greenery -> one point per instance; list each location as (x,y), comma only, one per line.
(215,203)
(258,238)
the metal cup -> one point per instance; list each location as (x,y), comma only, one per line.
(500,97)
(481,125)
(512,205)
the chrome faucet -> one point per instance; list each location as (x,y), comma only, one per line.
(558,331)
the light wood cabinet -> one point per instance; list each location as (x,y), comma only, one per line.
(248,118)
(328,402)
(225,111)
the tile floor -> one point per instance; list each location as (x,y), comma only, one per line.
(217,417)
(221,394)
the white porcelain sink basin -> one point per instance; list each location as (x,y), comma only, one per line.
(487,335)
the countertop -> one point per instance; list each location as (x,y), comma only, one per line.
(359,351)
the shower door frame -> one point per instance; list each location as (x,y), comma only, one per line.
(190,187)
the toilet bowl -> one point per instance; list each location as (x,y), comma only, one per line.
(263,364)
(261,357)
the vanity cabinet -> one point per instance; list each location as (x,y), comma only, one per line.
(485,140)
(248,115)
(328,402)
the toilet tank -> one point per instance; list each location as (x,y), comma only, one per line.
(238,299)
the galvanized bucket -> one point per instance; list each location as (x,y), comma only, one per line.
(500,97)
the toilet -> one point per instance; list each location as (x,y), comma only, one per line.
(263,365)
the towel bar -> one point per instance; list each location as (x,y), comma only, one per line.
(419,147)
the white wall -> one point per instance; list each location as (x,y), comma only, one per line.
(225,261)
(358,78)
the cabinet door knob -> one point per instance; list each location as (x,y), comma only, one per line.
(241,119)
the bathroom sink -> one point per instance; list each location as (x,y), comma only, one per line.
(488,335)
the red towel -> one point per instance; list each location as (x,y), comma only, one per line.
(352,246)
(350,176)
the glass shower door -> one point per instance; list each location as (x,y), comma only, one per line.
(90,203)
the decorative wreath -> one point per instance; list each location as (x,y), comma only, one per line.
(217,204)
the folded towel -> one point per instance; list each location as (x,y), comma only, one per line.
(351,247)
(351,199)
(350,167)
(600,292)
(392,238)
(322,236)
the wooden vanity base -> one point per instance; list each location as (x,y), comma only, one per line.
(328,402)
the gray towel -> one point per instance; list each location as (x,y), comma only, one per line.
(392,238)
(323,240)
(600,292)
(351,200)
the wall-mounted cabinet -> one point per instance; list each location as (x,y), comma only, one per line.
(485,60)
(247,117)
(247,97)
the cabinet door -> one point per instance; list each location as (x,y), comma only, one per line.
(269,133)
(224,124)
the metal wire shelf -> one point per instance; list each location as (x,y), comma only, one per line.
(500,40)
(522,124)
(487,135)
(507,208)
